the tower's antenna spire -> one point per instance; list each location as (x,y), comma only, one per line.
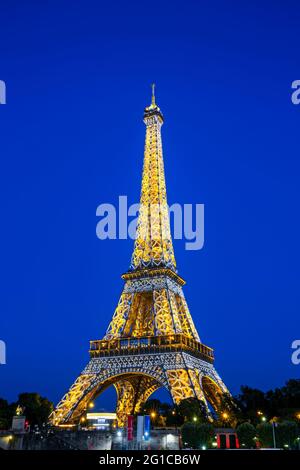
(153,109)
(153,94)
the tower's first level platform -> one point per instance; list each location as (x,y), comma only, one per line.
(150,345)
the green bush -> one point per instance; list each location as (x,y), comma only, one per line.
(286,434)
(197,435)
(246,433)
(265,434)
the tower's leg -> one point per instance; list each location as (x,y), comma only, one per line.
(125,394)
(76,394)
(144,387)
(184,383)
(215,390)
(133,392)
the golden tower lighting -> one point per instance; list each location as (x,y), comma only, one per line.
(151,341)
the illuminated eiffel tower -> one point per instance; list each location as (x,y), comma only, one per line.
(151,341)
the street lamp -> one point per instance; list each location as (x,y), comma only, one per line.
(82,420)
(195,418)
(153,414)
(264,419)
(91,405)
(225,415)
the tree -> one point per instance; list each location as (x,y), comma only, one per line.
(228,413)
(250,401)
(286,434)
(206,433)
(197,436)
(246,433)
(193,410)
(154,408)
(265,434)
(189,435)
(171,415)
(291,399)
(36,408)
(282,403)
(6,414)
(152,405)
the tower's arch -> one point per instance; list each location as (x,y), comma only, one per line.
(212,392)
(133,390)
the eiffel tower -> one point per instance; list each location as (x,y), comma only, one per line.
(151,341)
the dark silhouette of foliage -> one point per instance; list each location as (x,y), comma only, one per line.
(246,433)
(192,409)
(197,436)
(36,408)
(286,434)
(6,414)
(282,403)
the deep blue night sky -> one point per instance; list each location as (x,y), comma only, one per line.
(72,137)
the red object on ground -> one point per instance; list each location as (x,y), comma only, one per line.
(130,428)
(227,439)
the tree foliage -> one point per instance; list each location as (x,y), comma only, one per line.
(246,433)
(283,403)
(286,434)
(36,408)
(6,414)
(191,409)
(265,434)
(197,435)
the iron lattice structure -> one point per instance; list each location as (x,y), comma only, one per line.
(151,341)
